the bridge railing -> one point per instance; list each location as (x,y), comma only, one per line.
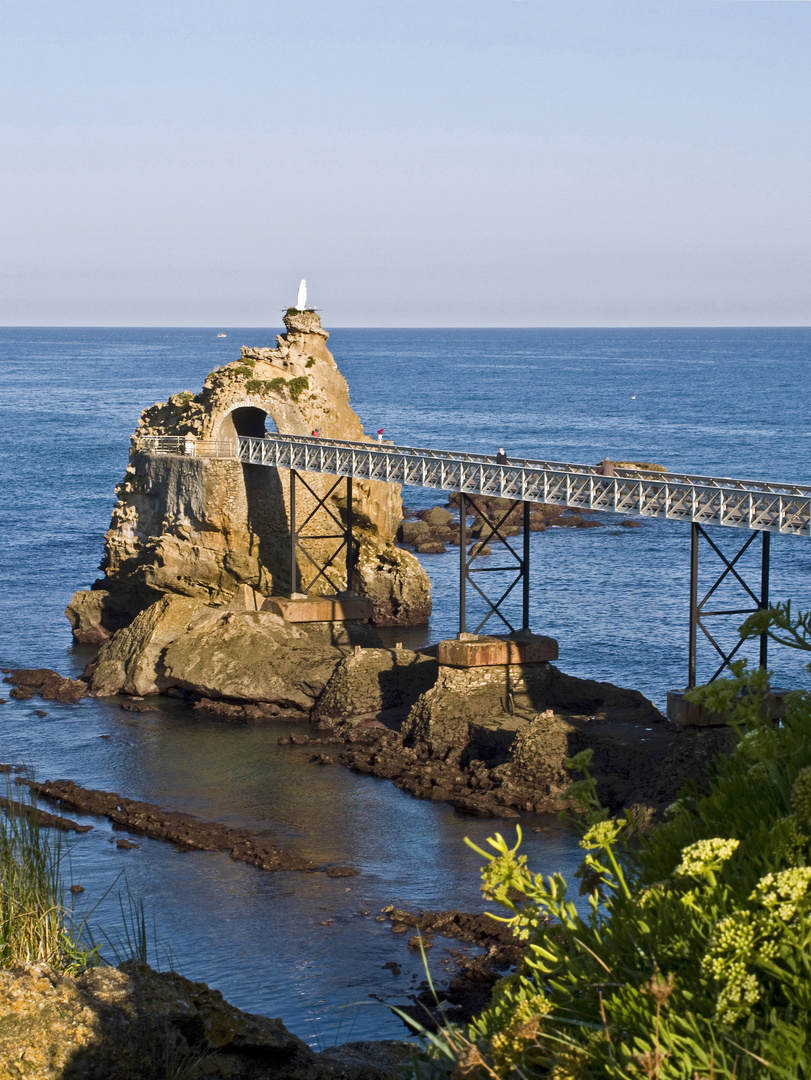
(743,504)
(188,446)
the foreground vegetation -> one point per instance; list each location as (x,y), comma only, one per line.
(694,960)
(36,922)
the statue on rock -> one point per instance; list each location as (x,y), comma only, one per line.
(301,299)
(203,527)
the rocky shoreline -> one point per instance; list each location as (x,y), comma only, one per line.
(134,1023)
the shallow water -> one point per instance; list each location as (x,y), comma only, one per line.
(729,402)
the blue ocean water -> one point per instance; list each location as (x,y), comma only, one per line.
(717,402)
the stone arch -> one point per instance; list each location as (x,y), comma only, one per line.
(252,416)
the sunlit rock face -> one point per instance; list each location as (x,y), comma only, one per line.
(201,527)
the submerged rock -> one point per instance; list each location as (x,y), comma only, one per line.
(49,685)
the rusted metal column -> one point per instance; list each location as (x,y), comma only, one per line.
(525,569)
(293,535)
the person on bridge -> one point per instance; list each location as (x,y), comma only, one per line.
(380,434)
(316,433)
(501,457)
(606,467)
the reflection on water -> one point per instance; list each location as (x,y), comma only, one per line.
(298,946)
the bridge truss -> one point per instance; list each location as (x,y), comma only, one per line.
(702,501)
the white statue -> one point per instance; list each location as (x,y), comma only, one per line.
(301,299)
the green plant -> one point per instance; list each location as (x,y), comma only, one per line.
(694,956)
(297,386)
(778,622)
(36,924)
(310,361)
(132,940)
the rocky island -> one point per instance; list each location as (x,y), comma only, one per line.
(197,602)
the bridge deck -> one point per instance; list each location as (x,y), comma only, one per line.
(707,500)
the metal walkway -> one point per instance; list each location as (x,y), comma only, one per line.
(702,500)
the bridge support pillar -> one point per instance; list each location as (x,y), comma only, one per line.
(679,710)
(343,534)
(519,566)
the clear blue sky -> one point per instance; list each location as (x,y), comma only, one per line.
(421,162)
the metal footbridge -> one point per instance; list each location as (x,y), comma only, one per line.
(707,500)
(759,507)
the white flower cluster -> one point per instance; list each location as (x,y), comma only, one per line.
(781,893)
(705,855)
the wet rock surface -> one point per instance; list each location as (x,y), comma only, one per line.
(49,685)
(134,1023)
(185,830)
(42,817)
(470,976)
(493,742)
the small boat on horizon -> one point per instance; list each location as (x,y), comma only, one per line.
(222,335)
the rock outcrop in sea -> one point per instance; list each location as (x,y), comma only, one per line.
(201,527)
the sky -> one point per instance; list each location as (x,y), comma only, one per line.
(420,162)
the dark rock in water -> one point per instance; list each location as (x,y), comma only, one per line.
(374,683)
(183,829)
(436,516)
(342,871)
(125,845)
(493,740)
(50,685)
(480,550)
(430,547)
(42,817)
(467,992)
(133,1023)
(40,712)
(631,523)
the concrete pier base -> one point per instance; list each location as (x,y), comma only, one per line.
(474,650)
(301,608)
(687,714)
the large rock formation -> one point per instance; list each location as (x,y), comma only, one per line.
(179,643)
(199,526)
(494,739)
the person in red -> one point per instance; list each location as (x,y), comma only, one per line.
(380,435)
(316,433)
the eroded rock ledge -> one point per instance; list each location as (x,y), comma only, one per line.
(493,740)
(133,1023)
(147,819)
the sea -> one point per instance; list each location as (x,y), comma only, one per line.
(310,949)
